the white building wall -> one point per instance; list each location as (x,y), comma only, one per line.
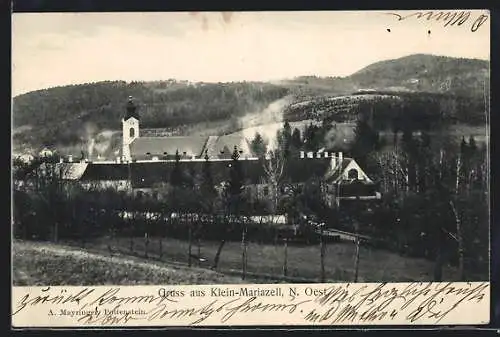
(127,125)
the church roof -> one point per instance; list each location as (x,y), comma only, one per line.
(131,110)
(193,146)
(223,146)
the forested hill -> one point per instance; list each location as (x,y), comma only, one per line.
(419,72)
(422,72)
(57,115)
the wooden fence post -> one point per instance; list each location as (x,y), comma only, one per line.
(243,254)
(199,251)
(190,246)
(285,260)
(322,254)
(356,259)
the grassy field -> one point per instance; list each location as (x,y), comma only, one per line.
(37,264)
(303,262)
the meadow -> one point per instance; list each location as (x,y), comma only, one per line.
(123,260)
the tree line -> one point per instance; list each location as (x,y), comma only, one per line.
(58,113)
(435,192)
(394,110)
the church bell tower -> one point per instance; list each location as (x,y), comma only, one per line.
(130,128)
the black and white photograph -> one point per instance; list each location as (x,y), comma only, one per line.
(208,148)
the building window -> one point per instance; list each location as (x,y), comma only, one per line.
(352,174)
(266,190)
(132,132)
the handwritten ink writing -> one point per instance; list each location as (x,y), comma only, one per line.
(109,297)
(162,311)
(416,302)
(479,22)
(449,18)
(45,297)
(382,302)
(427,306)
(251,305)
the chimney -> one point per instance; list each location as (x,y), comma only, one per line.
(341,158)
(302,154)
(70,158)
(310,154)
(334,161)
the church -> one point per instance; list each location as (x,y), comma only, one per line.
(145,164)
(137,148)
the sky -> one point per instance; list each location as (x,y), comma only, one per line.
(53,49)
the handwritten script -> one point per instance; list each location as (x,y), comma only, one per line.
(448,18)
(337,304)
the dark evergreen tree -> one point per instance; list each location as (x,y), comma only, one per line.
(207,188)
(472,144)
(233,200)
(284,138)
(296,141)
(258,145)
(176,177)
(463,146)
(424,161)
(366,141)
(235,187)
(311,138)
(409,146)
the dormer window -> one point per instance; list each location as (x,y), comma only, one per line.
(352,174)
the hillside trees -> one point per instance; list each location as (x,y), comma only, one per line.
(439,196)
(61,111)
(232,199)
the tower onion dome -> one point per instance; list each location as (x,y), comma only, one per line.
(131,109)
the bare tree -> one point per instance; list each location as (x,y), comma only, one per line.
(274,166)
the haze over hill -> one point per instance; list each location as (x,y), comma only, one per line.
(71,115)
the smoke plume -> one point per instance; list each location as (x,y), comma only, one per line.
(103,142)
(273,113)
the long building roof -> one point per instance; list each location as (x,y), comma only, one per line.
(192,146)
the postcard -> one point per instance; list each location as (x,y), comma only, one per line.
(250,168)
